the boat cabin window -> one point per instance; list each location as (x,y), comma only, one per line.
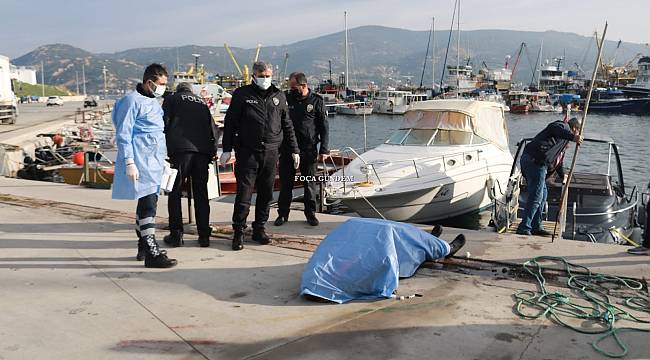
(452,137)
(419,137)
(397,137)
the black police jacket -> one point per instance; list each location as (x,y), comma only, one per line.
(189,126)
(258,120)
(547,146)
(309,122)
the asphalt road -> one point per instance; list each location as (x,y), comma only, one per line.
(33,114)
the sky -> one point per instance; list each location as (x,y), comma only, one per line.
(115,25)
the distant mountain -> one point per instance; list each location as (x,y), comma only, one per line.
(381,54)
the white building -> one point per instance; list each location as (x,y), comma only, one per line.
(23,74)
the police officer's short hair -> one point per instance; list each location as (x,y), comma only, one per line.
(574,123)
(184,86)
(154,72)
(299,77)
(261,66)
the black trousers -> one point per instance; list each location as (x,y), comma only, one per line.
(308,162)
(146,223)
(195,166)
(254,170)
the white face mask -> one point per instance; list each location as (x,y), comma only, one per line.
(159,90)
(263,82)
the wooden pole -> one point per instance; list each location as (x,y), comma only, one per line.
(565,189)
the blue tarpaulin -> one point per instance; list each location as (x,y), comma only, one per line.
(363,259)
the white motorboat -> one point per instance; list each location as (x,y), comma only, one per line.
(442,162)
(395,101)
(354,109)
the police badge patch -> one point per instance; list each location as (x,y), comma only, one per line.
(276,101)
(310,107)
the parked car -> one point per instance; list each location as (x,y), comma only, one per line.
(54,100)
(90,101)
(34,98)
(25,99)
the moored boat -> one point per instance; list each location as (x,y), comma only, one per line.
(439,164)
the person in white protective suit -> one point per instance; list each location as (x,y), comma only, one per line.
(141,152)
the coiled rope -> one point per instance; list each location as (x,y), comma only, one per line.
(589,299)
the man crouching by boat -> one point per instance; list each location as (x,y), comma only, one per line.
(141,152)
(539,155)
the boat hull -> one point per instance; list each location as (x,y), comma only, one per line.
(421,206)
(625,106)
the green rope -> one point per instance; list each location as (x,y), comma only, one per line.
(588,300)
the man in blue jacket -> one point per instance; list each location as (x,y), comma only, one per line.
(141,152)
(540,155)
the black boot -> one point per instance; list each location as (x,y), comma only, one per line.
(142,250)
(280,220)
(238,240)
(156,258)
(174,239)
(259,235)
(455,245)
(204,241)
(160,261)
(311,219)
(436,231)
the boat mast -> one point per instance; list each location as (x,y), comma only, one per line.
(433,56)
(541,49)
(347,66)
(458,54)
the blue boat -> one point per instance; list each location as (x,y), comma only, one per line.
(613,101)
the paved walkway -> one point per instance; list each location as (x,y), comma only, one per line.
(71,289)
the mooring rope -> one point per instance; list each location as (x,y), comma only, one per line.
(588,299)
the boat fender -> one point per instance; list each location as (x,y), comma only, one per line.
(489,184)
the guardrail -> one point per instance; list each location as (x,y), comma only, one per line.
(86,115)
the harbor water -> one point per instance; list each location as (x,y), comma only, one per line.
(630,133)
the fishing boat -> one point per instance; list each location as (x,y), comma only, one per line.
(395,102)
(614,101)
(641,85)
(439,164)
(600,207)
(354,108)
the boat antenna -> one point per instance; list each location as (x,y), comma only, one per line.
(561,215)
(444,64)
(426,55)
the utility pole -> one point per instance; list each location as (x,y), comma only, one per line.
(43,78)
(76,76)
(196,68)
(83,76)
(104,71)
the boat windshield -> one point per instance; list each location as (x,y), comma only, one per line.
(424,137)
(419,137)
(452,137)
(397,137)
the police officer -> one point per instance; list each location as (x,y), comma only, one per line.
(138,121)
(256,123)
(307,112)
(191,136)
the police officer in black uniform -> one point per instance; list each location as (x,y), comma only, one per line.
(307,112)
(256,123)
(191,136)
